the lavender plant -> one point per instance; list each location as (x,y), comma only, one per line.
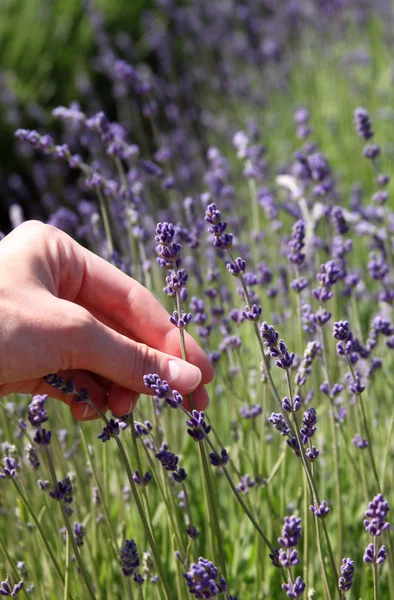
(286,284)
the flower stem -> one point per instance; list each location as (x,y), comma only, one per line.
(40,531)
(69,529)
(375,571)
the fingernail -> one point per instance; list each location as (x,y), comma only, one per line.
(183,374)
(89,412)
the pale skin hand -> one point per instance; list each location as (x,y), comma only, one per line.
(65,310)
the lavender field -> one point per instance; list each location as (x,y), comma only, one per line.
(235,158)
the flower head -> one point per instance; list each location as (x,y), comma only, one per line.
(129,558)
(203,580)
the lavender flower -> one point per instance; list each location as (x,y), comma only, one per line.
(369,555)
(198,426)
(347,573)
(168,460)
(180,321)
(109,431)
(219,461)
(36,412)
(309,421)
(288,406)
(6,588)
(203,580)
(79,533)
(129,558)
(236,268)
(144,480)
(63,492)
(297,243)
(192,532)
(284,357)
(294,590)
(312,454)
(360,442)
(10,468)
(213,216)
(291,532)
(252,315)
(32,456)
(377,511)
(339,220)
(43,437)
(363,123)
(320,511)
(279,422)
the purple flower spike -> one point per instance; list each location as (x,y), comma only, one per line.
(347,572)
(10,468)
(288,558)
(252,315)
(269,334)
(180,321)
(312,454)
(363,123)
(175,400)
(309,421)
(197,424)
(237,267)
(342,331)
(291,532)
(158,386)
(297,243)
(43,437)
(377,511)
(294,590)
(320,511)
(129,558)
(142,481)
(7,590)
(369,555)
(192,532)
(203,580)
(219,461)
(63,492)
(278,421)
(285,358)
(339,220)
(168,460)
(36,412)
(109,431)
(360,442)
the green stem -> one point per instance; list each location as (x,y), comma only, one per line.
(69,529)
(212,507)
(40,531)
(11,562)
(139,465)
(375,571)
(366,428)
(104,216)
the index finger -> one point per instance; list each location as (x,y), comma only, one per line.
(98,284)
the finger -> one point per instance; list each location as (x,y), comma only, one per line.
(83,342)
(121,401)
(170,345)
(82,379)
(94,282)
(200,399)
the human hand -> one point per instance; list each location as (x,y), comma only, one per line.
(65,310)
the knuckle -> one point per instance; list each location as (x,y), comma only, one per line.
(144,360)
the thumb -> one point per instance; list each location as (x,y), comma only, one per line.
(88,344)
